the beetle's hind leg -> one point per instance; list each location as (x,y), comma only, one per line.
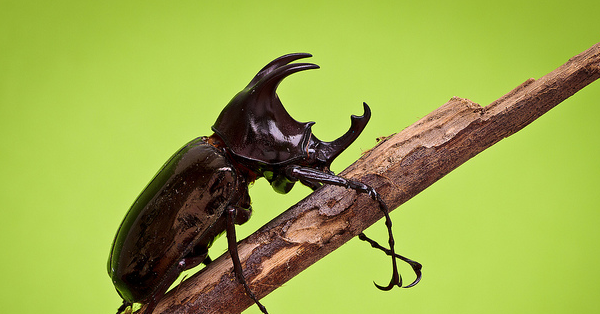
(232,212)
(305,174)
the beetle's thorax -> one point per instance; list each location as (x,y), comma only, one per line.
(260,134)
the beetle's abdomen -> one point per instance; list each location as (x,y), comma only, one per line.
(170,217)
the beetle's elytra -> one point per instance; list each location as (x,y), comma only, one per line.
(202,190)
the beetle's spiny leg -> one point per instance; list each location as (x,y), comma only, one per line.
(416,266)
(235,258)
(396,278)
(309,174)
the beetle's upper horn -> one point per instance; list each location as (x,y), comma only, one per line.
(279,62)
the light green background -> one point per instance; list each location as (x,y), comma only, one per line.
(96,95)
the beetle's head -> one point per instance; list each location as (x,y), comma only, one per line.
(261,134)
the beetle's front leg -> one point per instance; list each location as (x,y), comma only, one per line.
(313,175)
(232,220)
(416,266)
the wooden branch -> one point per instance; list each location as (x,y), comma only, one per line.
(399,167)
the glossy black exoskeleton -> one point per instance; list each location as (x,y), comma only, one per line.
(202,190)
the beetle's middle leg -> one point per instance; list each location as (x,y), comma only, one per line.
(199,254)
(232,219)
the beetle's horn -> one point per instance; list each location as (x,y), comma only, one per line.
(269,82)
(279,62)
(256,126)
(328,151)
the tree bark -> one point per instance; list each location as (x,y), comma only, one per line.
(399,167)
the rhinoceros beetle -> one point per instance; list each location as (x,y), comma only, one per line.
(202,190)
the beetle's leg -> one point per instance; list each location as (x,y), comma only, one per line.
(232,244)
(416,266)
(310,174)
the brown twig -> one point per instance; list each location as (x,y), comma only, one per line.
(399,167)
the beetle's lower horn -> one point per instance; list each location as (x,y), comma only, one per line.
(332,149)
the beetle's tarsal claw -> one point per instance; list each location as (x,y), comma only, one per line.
(396,278)
(390,286)
(416,266)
